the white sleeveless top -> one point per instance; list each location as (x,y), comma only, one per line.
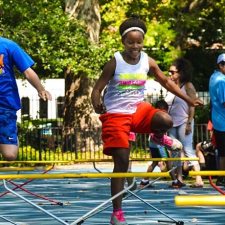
(126,89)
(178,108)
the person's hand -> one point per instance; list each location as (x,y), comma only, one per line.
(99,108)
(45,95)
(188,129)
(197,102)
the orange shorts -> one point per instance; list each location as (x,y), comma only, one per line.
(116,127)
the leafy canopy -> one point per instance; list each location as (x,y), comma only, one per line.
(54,41)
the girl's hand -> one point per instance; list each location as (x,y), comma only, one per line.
(100,108)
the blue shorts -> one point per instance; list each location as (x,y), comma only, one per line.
(220,142)
(8,127)
(159,152)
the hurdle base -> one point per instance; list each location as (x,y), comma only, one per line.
(175,222)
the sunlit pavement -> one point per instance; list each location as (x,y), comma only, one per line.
(79,196)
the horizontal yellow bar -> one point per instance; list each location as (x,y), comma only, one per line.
(5,169)
(200,200)
(207,173)
(34,162)
(173,159)
(82,175)
(98,160)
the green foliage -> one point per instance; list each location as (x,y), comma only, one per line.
(31,154)
(202,114)
(59,44)
(159,38)
(56,43)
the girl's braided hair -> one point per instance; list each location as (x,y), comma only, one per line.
(133,21)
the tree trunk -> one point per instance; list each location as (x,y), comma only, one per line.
(88,12)
(78,114)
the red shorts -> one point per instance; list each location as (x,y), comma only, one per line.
(116,127)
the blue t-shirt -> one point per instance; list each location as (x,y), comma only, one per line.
(12,55)
(217,97)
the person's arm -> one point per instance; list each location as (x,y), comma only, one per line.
(170,85)
(191,92)
(106,76)
(34,80)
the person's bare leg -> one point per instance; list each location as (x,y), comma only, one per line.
(199,181)
(161,123)
(121,162)
(9,152)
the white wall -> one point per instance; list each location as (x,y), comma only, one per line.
(55,86)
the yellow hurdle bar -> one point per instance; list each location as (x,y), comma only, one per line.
(200,200)
(207,173)
(98,160)
(34,162)
(83,175)
(173,159)
(6,169)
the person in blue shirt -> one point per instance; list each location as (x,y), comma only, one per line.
(13,56)
(217,99)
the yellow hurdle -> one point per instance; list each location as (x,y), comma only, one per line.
(98,160)
(6,169)
(34,162)
(207,173)
(83,175)
(200,200)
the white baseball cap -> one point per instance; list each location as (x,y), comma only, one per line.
(221,58)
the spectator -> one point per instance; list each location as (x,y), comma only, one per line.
(206,151)
(183,116)
(217,98)
(158,151)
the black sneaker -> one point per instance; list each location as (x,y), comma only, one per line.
(220,181)
(177,184)
(144,183)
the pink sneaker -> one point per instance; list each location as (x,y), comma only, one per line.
(170,143)
(117,218)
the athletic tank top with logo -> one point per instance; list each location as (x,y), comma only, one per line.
(126,90)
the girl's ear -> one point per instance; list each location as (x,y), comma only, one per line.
(122,40)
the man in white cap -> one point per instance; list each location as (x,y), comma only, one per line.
(217,96)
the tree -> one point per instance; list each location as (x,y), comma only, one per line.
(79,85)
(88,12)
(70,39)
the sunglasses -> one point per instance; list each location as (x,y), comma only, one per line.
(222,63)
(172,72)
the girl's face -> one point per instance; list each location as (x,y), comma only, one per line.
(174,74)
(133,44)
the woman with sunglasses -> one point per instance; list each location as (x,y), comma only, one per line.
(183,117)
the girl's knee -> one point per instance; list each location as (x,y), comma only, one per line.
(161,121)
